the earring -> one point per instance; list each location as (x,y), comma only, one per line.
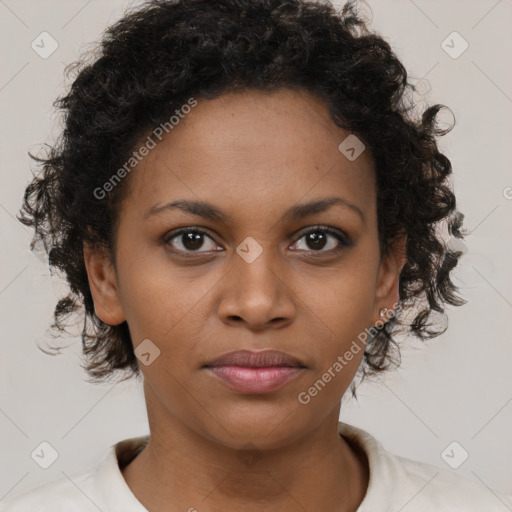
(383,312)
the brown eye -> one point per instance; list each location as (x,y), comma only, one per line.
(322,239)
(190,240)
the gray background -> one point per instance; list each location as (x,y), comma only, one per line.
(458,388)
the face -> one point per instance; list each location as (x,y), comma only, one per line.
(263,273)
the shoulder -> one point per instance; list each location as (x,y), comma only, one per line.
(434,488)
(60,495)
(99,487)
(398,483)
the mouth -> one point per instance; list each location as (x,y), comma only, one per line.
(255,372)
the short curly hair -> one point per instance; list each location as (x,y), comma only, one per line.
(163,52)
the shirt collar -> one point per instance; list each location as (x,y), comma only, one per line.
(385,472)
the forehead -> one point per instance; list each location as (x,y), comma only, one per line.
(252,149)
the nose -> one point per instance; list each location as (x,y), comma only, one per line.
(258,294)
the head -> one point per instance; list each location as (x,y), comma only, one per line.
(251,112)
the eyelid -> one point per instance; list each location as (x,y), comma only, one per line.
(343,239)
(320,227)
(179,231)
(341,236)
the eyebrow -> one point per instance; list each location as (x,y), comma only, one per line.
(296,212)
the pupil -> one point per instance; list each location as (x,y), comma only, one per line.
(192,240)
(315,237)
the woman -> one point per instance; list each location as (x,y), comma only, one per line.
(248,213)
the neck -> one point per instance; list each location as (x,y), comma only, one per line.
(180,469)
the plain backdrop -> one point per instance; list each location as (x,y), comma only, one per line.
(454,388)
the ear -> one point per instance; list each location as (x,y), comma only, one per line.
(103,285)
(386,293)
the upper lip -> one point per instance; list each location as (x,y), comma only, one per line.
(264,358)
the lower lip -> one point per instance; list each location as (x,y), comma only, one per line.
(255,380)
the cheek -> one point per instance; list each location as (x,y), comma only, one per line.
(342,313)
(162,302)
(343,300)
(342,303)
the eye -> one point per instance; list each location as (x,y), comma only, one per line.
(189,240)
(317,239)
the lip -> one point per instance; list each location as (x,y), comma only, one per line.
(255,372)
(260,359)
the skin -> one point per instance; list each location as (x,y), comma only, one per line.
(253,155)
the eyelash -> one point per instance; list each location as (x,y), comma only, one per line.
(342,238)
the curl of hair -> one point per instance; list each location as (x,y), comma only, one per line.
(151,61)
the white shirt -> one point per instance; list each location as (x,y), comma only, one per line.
(396,484)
